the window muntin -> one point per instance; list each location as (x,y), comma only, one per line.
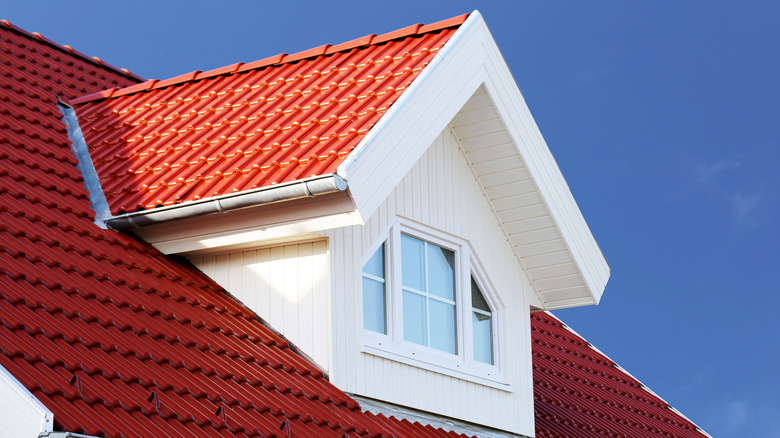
(374,295)
(428,282)
(423,269)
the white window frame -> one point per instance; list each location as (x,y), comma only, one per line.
(393,346)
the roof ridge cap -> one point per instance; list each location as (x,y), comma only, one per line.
(282,58)
(69,50)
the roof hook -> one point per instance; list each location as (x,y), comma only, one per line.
(156,397)
(285,426)
(221,414)
(76,381)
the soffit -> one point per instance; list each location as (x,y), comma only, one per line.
(253,125)
(518,203)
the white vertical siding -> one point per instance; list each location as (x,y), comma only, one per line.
(440,191)
(287,285)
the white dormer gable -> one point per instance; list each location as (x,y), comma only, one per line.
(456,168)
(470,88)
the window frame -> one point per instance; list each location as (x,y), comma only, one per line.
(393,346)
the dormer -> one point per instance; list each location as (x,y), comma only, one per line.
(388,204)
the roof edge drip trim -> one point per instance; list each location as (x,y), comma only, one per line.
(78,145)
(305,188)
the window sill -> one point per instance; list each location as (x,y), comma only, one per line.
(438,362)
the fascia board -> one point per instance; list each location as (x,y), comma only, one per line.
(545,172)
(403,135)
(23,405)
(470,59)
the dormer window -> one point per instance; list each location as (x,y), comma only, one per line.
(426,303)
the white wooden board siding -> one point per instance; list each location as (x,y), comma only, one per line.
(288,286)
(440,191)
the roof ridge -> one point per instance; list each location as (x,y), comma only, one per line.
(69,50)
(283,58)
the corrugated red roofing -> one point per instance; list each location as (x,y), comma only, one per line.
(113,337)
(580,393)
(253,125)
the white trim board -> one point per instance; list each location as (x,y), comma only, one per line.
(21,413)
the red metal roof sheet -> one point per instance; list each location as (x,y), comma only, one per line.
(580,393)
(253,125)
(113,337)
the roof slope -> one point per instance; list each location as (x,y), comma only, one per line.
(581,393)
(252,125)
(110,335)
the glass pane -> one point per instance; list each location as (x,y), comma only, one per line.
(413,262)
(415,324)
(477,300)
(443,335)
(376,265)
(441,272)
(374,305)
(483,338)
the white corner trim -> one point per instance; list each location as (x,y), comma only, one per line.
(378,129)
(24,404)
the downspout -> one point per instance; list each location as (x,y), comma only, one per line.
(306,188)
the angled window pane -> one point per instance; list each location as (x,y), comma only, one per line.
(443,330)
(477,300)
(374,299)
(441,272)
(415,321)
(376,264)
(374,305)
(413,262)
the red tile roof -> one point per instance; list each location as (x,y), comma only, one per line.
(113,337)
(252,125)
(580,393)
(117,339)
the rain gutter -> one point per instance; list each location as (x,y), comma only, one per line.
(305,188)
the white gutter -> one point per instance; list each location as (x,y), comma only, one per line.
(305,188)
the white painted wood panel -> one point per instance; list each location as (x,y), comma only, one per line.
(439,191)
(288,286)
(21,414)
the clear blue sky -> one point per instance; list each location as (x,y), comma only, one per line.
(664,117)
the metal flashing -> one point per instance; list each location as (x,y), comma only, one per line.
(78,145)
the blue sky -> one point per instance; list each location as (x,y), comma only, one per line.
(664,117)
